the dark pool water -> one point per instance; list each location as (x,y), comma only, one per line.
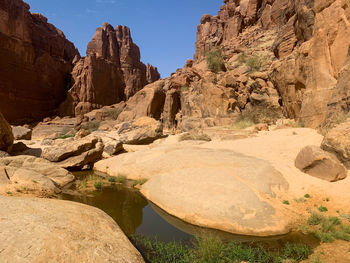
(135,215)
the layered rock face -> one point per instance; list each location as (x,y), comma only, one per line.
(35,63)
(111,72)
(281,55)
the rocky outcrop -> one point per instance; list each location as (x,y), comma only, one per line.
(74,154)
(22,173)
(35,63)
(321,164)
(86,235)
(112,66)
(307,78)
(21,133)
(143,130)
(337,141)
(6,136)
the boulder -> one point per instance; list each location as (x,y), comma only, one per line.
(6,136)
(337,141)
(321,164)
(29,171)
(212,188)
(21,133)
(143,130)
(74,154)
(86,235)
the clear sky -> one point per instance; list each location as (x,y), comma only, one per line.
(164,30)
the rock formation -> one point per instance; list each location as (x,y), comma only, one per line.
(35,63)
(6,136)
(86,235)
(111,72)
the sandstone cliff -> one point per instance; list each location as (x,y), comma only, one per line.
(35,63)
(264,58)
(111,72)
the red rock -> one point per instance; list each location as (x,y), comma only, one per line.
(110,73)
(35,63)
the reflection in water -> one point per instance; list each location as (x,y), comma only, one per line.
(122,204)
(131,211)
(135,215)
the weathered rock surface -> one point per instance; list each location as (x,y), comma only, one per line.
(143,130)
(35,63)
(321,164)
(212,188)
(6,136)
(21,133)
(31,172)
(112,66)
(337,141)
(86,235)
(74,154)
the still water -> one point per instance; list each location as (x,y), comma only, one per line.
(135,215)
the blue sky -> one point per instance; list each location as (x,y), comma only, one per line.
(164,30)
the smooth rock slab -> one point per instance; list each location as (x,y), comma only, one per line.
(42,230)
(212,188)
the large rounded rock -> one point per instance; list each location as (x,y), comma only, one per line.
(318,163)
(39,230)
(337,141)
(6,136)
(31,172)
(212,188)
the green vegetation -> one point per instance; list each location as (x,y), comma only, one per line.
(307,196)
(328,229)
(215,60)
(91,126)
(121,179)
(322,209)
(254,115)
(286,202)
(212,250)
(139,182)
(98,185)
(254,62)
(112,179)
(195,137)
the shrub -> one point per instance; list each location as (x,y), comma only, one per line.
(315,219)
(297,252)
(121,179)
(139,182)
(285,202)
(215,60)
(98,185)
(322,209)
(112,179)
(307,196)
(254,63)
(256,114)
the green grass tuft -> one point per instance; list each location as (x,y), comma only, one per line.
(322,209)
(98,185)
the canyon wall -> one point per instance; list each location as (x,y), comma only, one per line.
(35,63)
